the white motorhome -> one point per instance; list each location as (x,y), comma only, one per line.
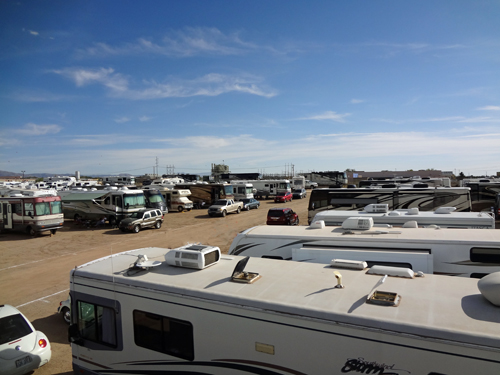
(118,180)
(242,190)
(267,188)
(111,202)
(444,217)
(31,211)
(191,310)
(468,253)
(298,182)
(176,199)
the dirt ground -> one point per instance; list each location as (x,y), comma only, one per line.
(34,272)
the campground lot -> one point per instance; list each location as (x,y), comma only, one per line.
(34,272)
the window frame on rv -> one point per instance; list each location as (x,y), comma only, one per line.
(110,327)
(485,254)
(166,335)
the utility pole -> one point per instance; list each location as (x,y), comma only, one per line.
(23,174)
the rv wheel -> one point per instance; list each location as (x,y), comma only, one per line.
(158,225)
(53,231)
(112,221)
(136,229)
(31,231)
(181,208)
(66,315)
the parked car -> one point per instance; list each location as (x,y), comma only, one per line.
(22,348)
(283,197)
(148,217)
(311,185)
(65,310)
(282,216)
(299,193)
(249,203)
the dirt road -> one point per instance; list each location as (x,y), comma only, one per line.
(34,272)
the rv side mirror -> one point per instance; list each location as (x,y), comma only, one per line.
(74,335)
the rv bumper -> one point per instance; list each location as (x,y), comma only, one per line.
(41,227)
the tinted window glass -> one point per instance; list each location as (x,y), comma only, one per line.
(163,334)
(13,327)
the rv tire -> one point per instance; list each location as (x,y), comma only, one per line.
(31,231)
(181,208)
(136,229)
(66,315)
(53,231)
(158,224)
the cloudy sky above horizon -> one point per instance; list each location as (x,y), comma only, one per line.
(113,87)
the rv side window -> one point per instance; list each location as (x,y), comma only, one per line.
(485,255)
(107,200)
(163,334)
(97,323)
(28,207)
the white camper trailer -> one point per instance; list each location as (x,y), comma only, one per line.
(444,217)
(175,199)
(141,312)
(468,253)
(263,189)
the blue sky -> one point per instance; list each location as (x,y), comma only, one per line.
(108,87)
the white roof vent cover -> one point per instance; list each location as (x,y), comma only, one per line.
(193,256)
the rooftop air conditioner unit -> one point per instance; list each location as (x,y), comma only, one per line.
(193,256)
(360,223)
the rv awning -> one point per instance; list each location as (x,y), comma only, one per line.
(83,196)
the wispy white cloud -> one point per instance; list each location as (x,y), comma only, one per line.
(122,120)
(328,115)
(187,42)
(489,108)
(356,101)
(208,85)
(144,118)
(34,129)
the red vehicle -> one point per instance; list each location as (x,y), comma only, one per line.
(283,197)
(282,216)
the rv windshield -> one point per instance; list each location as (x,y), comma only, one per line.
(56,207)
(228,190)
(134,200)
(156,197)
(42,208)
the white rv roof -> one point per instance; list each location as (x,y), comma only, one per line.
(480,237)
(423,218)
(433,306)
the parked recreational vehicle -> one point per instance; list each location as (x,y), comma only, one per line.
(267,188)
(483,190)
(31,213)
(334,179)
(416,180)
(298,182)
(111,202)
(425,198)
(118,180)
(444,217)
(242,190)
(154,199)
(175,199)
(152,311)
(204,195)
(470,253)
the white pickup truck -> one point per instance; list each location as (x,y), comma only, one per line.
(224,206)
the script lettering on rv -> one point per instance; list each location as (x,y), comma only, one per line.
(364,367)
